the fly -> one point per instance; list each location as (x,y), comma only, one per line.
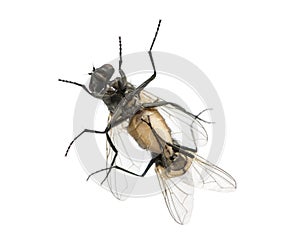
(178,167)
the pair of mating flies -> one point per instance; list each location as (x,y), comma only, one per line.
(178,167)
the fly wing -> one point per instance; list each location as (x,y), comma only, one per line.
(208,176)
(130,157)
(178,195)
(187,129)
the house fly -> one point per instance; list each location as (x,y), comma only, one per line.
(178,166)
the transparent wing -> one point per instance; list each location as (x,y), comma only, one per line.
(178,195)
(130,157)
(187,129)
(208,176)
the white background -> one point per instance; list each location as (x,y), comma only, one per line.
(250,51)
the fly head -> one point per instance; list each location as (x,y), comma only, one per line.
(100,80)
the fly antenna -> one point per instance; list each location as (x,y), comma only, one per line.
(155,35)
(93,70)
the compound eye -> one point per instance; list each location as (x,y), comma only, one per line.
(106,71)
(100,79)
(97,86)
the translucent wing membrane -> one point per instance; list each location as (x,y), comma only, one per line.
(121,183)
(178,195)
(174,136)
(208,176)
(187,129)
(178,191)
(190,132)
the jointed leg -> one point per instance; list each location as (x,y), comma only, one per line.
(78,84)
(113,161)
(109,141)
(176,147)
(143,85)
(159,140)
(152,161)
(163,103)
(84,131)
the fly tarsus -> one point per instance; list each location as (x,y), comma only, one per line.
(157,29)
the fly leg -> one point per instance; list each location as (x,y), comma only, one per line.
(163,103)
(108,169)
(160,141)
(178,107)
(175,147)
(84,131)
(123,76)
(143,85)
(113,161)
(108,139)
(78,84)
(152,161)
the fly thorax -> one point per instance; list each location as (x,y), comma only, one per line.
(113,99)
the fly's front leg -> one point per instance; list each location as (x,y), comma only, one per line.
(143,85)
(78,84)
(123,76)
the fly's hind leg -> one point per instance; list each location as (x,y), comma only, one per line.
(152,161)
(78,84)
(176,147)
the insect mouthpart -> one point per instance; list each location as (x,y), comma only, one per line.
(100,80)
